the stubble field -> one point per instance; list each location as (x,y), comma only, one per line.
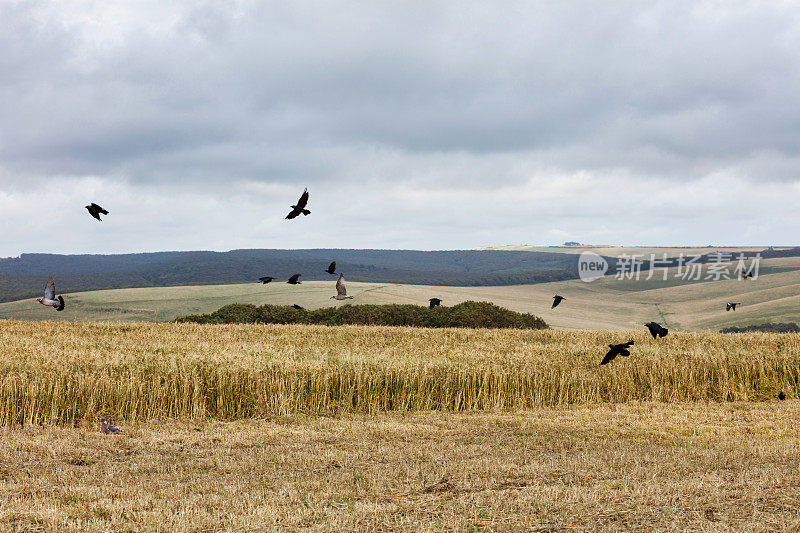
(367,428)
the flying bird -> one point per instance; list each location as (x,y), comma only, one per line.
(434,302)
(732,305)
(656,330)
(746,275)
(341,290)
(781,396)
(95,210)
(331,268)
(294,280)
(557,300)
(299,308)
(50,296)
(107,428)
(265,279)
(300,207)
(617,349)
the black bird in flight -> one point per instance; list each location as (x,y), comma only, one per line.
(656,330)
(557,300)
(434,302)
(781,396)
(732,305)
(617,349)
(95,210)
(746,275)
(300,207)
(265,279)
(294,280)
(299,308)
(331,268)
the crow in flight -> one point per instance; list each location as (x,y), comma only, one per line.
(300,207)
(341,290)
(557,300)
(732,305)
(265,279)
(50,296)
(95,211)
(616,349)
(656,330)
(299,308)
(331,268)
(294,280)
(434,302)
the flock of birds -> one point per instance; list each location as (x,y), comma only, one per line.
(57,302)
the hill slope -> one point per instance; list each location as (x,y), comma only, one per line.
(604,304)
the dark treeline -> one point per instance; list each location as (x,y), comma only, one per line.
(24,277)
(464,315)
(767,327)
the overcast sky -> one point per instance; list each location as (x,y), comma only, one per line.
(425,125)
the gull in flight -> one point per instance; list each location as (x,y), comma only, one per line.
(50,296)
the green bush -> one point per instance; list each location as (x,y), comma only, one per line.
(464,315)
(768,327)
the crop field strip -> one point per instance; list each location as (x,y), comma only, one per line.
(66,373)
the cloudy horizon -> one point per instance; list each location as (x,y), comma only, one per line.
(416,125)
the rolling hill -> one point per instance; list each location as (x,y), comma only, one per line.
(607,303)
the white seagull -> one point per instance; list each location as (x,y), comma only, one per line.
(50,296)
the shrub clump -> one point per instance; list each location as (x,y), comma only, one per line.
(768,327)
(464,315)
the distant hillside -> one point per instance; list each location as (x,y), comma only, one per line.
(24,277)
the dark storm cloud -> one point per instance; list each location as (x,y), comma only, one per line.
(627,86)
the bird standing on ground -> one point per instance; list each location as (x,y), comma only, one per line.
(341,290)
(107,428)
(294,280)
(557,300)
(746,275)
(265,279)
(95,210)
(50,296)
(298,307)
(331,268)
(656,330)
(732,305)
(615,350)
(300,207)
(434,302)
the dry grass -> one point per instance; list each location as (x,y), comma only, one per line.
(639,466)
(65,373)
